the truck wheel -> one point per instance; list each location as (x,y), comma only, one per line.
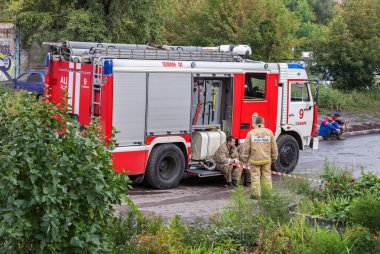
(165,166)
(288,153)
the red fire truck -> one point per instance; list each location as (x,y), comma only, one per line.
(173,106)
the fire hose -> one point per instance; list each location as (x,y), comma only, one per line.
(247,166)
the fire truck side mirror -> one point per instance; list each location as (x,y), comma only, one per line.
(316,80)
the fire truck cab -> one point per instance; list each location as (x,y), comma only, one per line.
(173,108)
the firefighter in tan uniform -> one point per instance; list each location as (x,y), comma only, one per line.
(245,174)
(224,156)
(260,150)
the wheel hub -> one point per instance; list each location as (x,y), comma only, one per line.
(287,155)
(167,167)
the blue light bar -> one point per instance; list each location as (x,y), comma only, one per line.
(295,66)
(47,60)
(107,67)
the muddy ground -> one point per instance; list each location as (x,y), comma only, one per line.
(358,121)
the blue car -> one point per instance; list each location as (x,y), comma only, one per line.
(32,81)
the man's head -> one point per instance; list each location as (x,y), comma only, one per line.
(329,116)
(259,120)
(336,116)
(231,141)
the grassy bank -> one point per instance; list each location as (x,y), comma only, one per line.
(266,226)
(353,101)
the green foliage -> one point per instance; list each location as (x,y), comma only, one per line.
(225,22)
(274,207)
(298,186)
(323,10)
(336,181)
(365,211)
(334,99)
(124,228)
(350,49)
(341,197)
(57,184)
(299,236)
(128,21)
(363,239)
(328,241)
(238,222)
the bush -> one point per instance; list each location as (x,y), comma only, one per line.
(239,221)
(336,182)
(274,207)
(363,240)
(365,211)
(57,184)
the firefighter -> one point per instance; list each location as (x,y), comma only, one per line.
(329,128)
(225,156)
(246,174)
(260,150)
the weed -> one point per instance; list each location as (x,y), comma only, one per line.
(273,206)
(365,210)
(238,220)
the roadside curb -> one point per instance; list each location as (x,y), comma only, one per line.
(357,133)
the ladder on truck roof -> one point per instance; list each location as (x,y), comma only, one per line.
(97,83)
(174,55)
(88,52)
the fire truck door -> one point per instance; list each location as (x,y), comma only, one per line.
(129,108)
(300,113)
(255,102)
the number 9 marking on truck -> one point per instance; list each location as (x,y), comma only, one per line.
(301,113)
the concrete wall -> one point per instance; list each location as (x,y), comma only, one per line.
(7,51)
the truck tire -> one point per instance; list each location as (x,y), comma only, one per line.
(165,167)
(288,153)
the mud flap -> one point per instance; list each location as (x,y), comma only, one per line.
(314,143)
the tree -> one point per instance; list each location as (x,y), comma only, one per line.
(127,21)
(269,27)
(307,28)
(350,50)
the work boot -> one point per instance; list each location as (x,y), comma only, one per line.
(234,183)
(229,185)
(247,184)
(254,197)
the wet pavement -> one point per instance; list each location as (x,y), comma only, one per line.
(352,153)
(195,197)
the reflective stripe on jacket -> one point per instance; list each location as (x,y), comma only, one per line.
(260,146)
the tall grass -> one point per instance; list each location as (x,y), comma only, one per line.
(333,99)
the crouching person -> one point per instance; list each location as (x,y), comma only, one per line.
(260,150)
(224,157)
(329,128)
(339,122)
